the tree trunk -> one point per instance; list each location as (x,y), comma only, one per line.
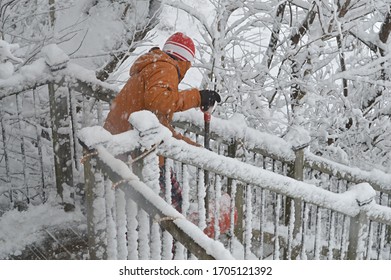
(60,122)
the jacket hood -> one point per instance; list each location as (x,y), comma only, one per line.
(155,55)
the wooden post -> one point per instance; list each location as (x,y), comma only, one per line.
(357,231)
(61,139)
(96,241)
(295,171)
(239,195)
(231,152)
(239,203)
(89,182)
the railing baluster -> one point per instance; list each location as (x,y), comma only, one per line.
(318,234)
(261,224)
(369,244)
(232,214)
(168,241)
(217,212)
(111,231)
(248,223)
(126,225)
(132,232)
(331,236)
(380,238)
(303,254)
(239,204)
(185,189)
(201,194)
(277,209)
(150,174)
(144,235)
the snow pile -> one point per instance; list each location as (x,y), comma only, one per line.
(297,136)
(147,132)
(7,59)
(55,57)
(150,130)
(19,229)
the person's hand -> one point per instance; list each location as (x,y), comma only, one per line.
(208,99)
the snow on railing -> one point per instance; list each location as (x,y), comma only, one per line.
(356,204)
(146,241)
(236,130)
(270,152)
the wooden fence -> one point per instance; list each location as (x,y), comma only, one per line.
(40,114)
(330,225)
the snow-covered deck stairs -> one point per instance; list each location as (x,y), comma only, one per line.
(291,203)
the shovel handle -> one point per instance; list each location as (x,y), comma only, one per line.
(207,117)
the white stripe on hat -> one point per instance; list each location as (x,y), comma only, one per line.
(179,50)
(182,46)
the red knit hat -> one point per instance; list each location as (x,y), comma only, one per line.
(180,46)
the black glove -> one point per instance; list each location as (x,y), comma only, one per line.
(208,99)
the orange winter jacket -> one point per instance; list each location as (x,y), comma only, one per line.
(153,86)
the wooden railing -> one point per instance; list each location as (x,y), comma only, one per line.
(333,226)
(277,149)
(143,210)
(275,154)
(41,110)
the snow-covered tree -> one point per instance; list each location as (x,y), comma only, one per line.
(98,34)
(319,64)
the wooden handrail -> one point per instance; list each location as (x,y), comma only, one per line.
(176,225)
(311,161)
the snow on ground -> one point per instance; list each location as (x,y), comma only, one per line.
(19,229)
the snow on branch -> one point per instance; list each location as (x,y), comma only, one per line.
(40,72)
(28,77)
(194,13)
